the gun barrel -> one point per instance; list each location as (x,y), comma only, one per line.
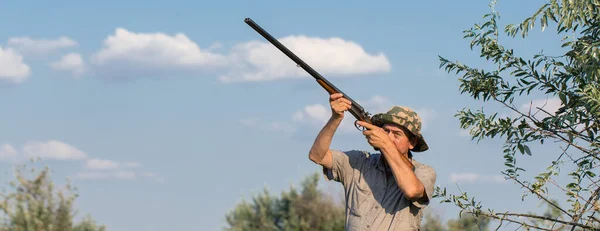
(287,52)
(322,81)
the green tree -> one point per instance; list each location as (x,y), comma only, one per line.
(572,77)
(432,222)
(34,205)
(306,209)
(468,223)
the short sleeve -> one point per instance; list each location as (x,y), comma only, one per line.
(343,165)
(427,176)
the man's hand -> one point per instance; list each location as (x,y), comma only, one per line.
(376,137)
(402,168)
(339,105)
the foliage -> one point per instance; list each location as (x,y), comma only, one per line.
(312,209)
(34,205)
(307,209)
(432,222)
(572,78)
(464,223)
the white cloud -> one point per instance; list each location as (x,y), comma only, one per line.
(131,164)
(316,115)
(40,46)
(12,67)
(101,164)
(71,62)
(96,168)
(126,175)
(260,61)
(53,149)
(108,169)
(472,178)
(7,151)
(154,50)
(125,52)
(548,105)
(116,175)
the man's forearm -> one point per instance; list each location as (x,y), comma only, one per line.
(403,172)
(323,140)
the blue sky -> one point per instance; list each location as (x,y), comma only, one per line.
(167,114)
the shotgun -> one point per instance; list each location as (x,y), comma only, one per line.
(356,110)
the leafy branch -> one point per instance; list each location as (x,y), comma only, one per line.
(570,78)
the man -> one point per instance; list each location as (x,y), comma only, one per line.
(386,191)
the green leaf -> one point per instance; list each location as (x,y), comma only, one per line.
(563,98)
(521,148)
(526,148)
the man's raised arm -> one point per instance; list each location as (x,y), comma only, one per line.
(320,152)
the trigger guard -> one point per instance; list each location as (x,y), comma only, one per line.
(358,126)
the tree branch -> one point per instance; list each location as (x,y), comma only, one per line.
(540,196)
(588,202)
(546,218)
(503,218)
(549,132)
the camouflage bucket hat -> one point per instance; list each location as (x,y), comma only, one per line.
(407,118)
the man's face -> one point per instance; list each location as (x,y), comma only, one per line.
(399,138)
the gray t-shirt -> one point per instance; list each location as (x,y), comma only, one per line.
(373,199)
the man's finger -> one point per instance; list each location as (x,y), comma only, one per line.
(342,106)
(348,106)
(343,100)
(366,125)
(336,96)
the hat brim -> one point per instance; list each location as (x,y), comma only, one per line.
(381,119)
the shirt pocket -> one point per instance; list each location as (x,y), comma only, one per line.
(361,198)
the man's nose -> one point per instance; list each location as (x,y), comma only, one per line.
(389,133)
